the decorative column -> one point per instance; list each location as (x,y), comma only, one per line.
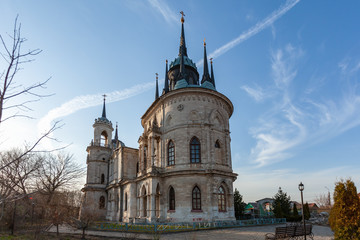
(153,206)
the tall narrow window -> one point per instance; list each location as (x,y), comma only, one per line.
(102,202)
(102,179)
(196,199)
(195,156)
(171,199)
(171,153)
(221,200)
(137,167)
(126,201)
(145,157)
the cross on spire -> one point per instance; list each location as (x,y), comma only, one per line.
(182,16)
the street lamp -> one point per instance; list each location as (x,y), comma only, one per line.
(301,188)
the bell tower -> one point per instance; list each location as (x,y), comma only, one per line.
(99,154)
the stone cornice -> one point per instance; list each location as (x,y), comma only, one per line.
(187,94)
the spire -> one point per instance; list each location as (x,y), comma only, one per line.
(212,72)
(206,76)
(182,49)
(104,110)
(157,88)
(116,133)
(166,84)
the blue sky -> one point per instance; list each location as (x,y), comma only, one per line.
(291,69)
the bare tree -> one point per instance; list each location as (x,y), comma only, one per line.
(323,200)
(15,96)
(10,89)
(17,178)
(58,172)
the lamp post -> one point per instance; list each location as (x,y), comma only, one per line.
(301,188)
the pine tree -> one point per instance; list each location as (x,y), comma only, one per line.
(345,214)
(238,204)
(281,204)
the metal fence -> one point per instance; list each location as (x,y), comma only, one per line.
(176,227)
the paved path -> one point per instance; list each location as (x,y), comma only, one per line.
(243,233)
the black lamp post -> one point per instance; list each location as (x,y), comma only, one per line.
(301,188)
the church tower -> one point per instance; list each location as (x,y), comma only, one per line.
(99,154)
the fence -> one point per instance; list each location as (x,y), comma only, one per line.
(176,227)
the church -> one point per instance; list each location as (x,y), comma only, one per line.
(182,170)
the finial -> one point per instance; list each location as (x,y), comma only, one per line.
(157,87)
(211,60)
(166,61)
(204,42)
(182,17)
(104,110)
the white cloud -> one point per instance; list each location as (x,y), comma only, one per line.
(164,10)
(257,93)
(282,129)
(86,101)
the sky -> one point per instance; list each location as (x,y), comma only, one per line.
(291,69)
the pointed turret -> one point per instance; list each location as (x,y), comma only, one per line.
(182,48)
(157,88)
(212,73)
(104,110)
(166,84)
(206,76)
(116,133)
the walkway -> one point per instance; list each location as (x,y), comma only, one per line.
(243,233)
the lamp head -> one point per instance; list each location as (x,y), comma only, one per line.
(301,186)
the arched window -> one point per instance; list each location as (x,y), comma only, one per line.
(104,139)
(217,144)
(171,199)
(221,200)
(196,199)
(125,202)
(102,181)
(102,202)
(171,153)
(195,156)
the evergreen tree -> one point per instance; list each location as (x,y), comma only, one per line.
(281,204)
(238,204)
(345,214)
(295,212)
(306,211)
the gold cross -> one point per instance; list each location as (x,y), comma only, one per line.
(182,16)
(104,96)
(156,76)
(211,60)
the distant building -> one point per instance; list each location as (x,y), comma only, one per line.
(182,170)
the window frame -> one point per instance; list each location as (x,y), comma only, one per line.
(172,199)
(195,150)
(171,153)
(196,199)
(221,199)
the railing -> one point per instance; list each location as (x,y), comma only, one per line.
(176,227)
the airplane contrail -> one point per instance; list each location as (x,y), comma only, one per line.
(253,30)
